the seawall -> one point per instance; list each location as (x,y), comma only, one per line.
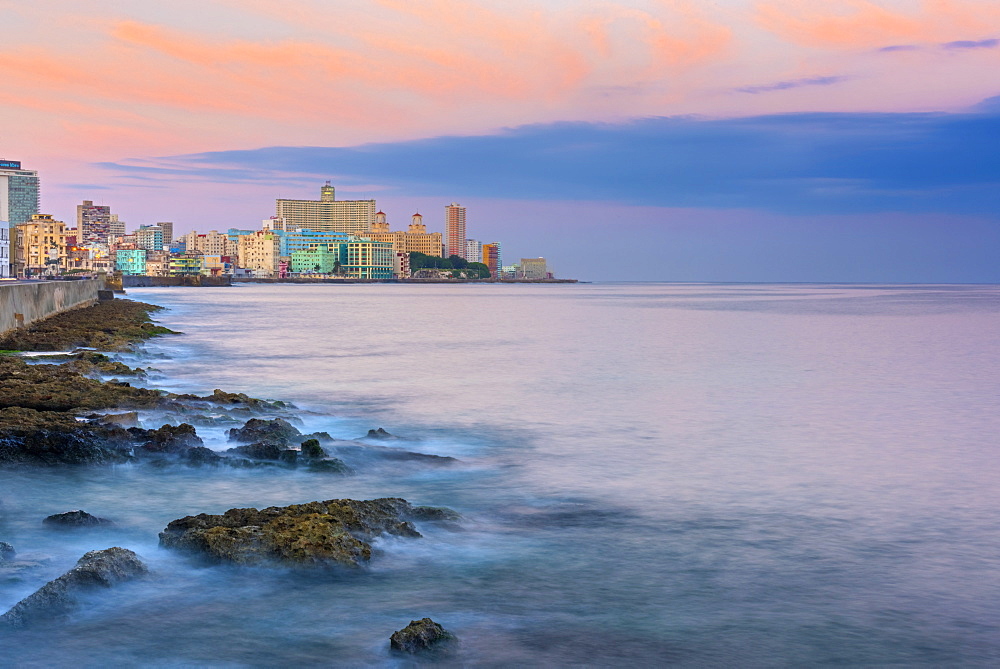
(134,281)
(24,302)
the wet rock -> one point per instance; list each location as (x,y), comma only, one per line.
(168,438)
(200,455)
(276,431)
(379,434)
(91,363)
(322,437)
(434,513)
(330,466)
(312,450)
(7,551)
(289,457)
(31,437)
(333,532)
(259,451)
(419,635)
(96,569)
(78,518)
(126,420)
(116,325)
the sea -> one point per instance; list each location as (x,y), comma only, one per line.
(690,475)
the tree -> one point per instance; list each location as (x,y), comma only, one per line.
(458,262)
(484,271)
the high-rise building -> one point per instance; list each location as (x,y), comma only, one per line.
(492,259)
(260,252)
(149,237)
(473,250)
(93,224)
(18,193)
(116,228)
(454,230)
(327,214)
(168,231)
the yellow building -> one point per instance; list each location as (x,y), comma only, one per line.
(40,246)
(415,239)
(260,252)
(327,214)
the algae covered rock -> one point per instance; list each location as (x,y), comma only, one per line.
(330,466)
(312,450)
(77,518)
(333,532)
(256,430)
(32,437)
(168,438)
(259,451)
(94,570)
(419,635)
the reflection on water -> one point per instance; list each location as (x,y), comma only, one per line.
(650,474)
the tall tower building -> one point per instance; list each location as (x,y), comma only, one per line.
(327,214)
(93,224)
(168,231)
(454,230)
(18,193)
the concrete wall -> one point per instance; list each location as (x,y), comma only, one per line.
(134,281)
(24,302)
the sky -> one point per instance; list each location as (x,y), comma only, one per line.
(673,140)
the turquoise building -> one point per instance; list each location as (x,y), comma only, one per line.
(131,261)
(305,240)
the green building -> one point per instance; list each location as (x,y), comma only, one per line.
(131,261)
(321,260)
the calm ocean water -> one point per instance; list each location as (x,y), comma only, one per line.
(651,474)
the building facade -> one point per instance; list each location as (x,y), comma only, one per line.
(131,261)
(40,246)
(454,230)
(5,259)
(326,214)
(473,250)
(415,239)
(492,259)
(149,237)
(19,193)
(212,242)
(168,231)
(533,268)
(260,252)
(367,259)
(93,223)
(317,261)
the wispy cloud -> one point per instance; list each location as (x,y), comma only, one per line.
(795,83)
(973,44)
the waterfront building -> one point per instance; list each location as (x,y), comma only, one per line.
(368,259)
(454,230)
(473,250)
(305,239)
(40,246)
(491,258)
(317,260)
(168,232)
(234,234)
(215,265)
(401,264)
(185,266)
(326,214)
(94,224)
(131,261)
(212,242)
(5,259)
(260,252)
(149,237)
(533,268)
(509,271)
(414,239)
(157,263)
(19,193)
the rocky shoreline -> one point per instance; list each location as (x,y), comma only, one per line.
(70,404)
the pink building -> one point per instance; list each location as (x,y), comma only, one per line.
(454,230)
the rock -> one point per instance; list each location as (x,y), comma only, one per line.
(419,635)
(276,431)
(312,450)
(330,466)
(129,419)
(168,438)
(200,455)
(91,363)
(259,451)
(28,436)
(7,551)
(95,569)
(334,532)
(78,518)
(434,513)
(289,457)
(379,434)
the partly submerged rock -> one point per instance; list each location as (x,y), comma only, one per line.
(419,635)
(380,433)
(30,437)
(335,531)
(7,551)
(258,451)
(330,466)
(126,420)
(312,450)
(275,431)
(95,569)
(172,439)
(78,518)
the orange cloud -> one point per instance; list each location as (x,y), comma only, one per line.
(853,24)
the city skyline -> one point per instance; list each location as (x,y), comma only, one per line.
(742,141)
